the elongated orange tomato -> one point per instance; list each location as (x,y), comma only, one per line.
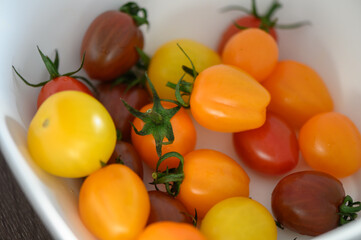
(210,177)
(114,203)
(171,230)
(252,50)
(227,99)
(330,142)
(185,137)
(297,92)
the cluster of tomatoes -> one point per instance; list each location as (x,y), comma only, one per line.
(274,110)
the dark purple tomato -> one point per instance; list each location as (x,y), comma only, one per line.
(128,156)
(110,96)
(110,45)
(308,202)
(166,208)
(271,149)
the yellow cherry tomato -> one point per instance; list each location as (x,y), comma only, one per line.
(71,134)
(239,218)
(114,203)
(166,64)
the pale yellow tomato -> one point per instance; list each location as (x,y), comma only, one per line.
(71,134)
(166,64)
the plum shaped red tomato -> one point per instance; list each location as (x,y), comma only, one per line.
(271,148)
(312,203)
(110,42)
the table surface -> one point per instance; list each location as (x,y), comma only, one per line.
(17,218)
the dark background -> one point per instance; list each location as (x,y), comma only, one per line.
(17,218)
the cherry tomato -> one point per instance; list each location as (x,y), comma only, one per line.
(111,97)
(57,82)
(163,207)
(254,51)
(249,21)
(308,202)
(166,64)
(239,218)
(171,230)
(297,92)
(227,99)
(210,177)
(127,155)
(71,134)
(61,83)
(330,142)
(114,203)
(184,139)
(110,45)
(271,148)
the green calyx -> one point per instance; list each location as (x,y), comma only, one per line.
(53,70)
(184,88)
(171,178)
(156,120)
(267,20)
(138,14)
(348,210)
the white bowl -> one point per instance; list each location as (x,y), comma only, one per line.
(331,45)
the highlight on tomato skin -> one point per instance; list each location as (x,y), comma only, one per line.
(270,149)
(330,142)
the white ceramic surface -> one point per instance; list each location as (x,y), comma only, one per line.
(331,45)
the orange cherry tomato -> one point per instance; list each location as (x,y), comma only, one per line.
(331,143)
(114,203)
(297,92)
(210,177)
(227,99)
(184,139)
(171,230)
(252,50)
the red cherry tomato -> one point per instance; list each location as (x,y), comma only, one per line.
(271,149)
(111,97)
(110,45)
(308,202)
(61,83)
(126,154)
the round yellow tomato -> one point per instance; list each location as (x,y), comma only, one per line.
(114,203)
(239,218)
(71,134)
(166,63)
